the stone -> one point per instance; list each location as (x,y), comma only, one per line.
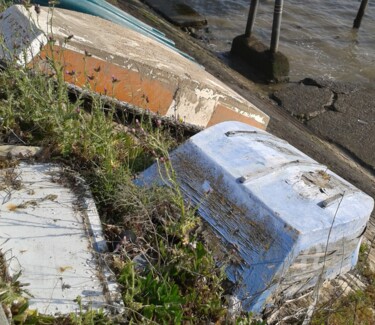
(274,66)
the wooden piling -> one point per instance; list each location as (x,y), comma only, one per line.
(251,17)
(361,12)
(276,25)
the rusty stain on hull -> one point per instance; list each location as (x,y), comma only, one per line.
(125,65)
(223,113)
(111,80)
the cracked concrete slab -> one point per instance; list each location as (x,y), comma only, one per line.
(51,233)
(352,125)
(337,87)
(304,102)
(338,112)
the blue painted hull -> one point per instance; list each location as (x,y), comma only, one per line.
(109,12)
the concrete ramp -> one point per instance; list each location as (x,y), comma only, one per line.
(51,233)
(123,64)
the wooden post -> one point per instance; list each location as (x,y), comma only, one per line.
(251,17)
(276,25)
(361,12)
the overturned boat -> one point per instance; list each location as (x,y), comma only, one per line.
(123,64)
(284,223)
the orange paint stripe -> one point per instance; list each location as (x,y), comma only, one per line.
(110,79)
(222,114)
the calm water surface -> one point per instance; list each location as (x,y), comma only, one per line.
(316,35)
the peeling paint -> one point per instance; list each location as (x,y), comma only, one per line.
(263,198)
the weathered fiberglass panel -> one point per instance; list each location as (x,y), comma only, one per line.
(274,208)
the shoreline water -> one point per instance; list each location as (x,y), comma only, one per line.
(317,36)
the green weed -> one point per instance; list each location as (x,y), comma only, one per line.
(357,307)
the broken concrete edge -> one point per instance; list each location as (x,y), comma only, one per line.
(19,152)
(99,244)
(274,66)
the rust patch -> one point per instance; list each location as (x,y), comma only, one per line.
(109,79)
(223,113)
(319,178)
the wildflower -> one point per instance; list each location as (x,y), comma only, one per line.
(114,79)
(97,69)
(51,39)
(105,91)
(145,97)
(91,77)
(87,53)
(158,123)
(70,73)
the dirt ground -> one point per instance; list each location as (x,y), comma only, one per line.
(332,123)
